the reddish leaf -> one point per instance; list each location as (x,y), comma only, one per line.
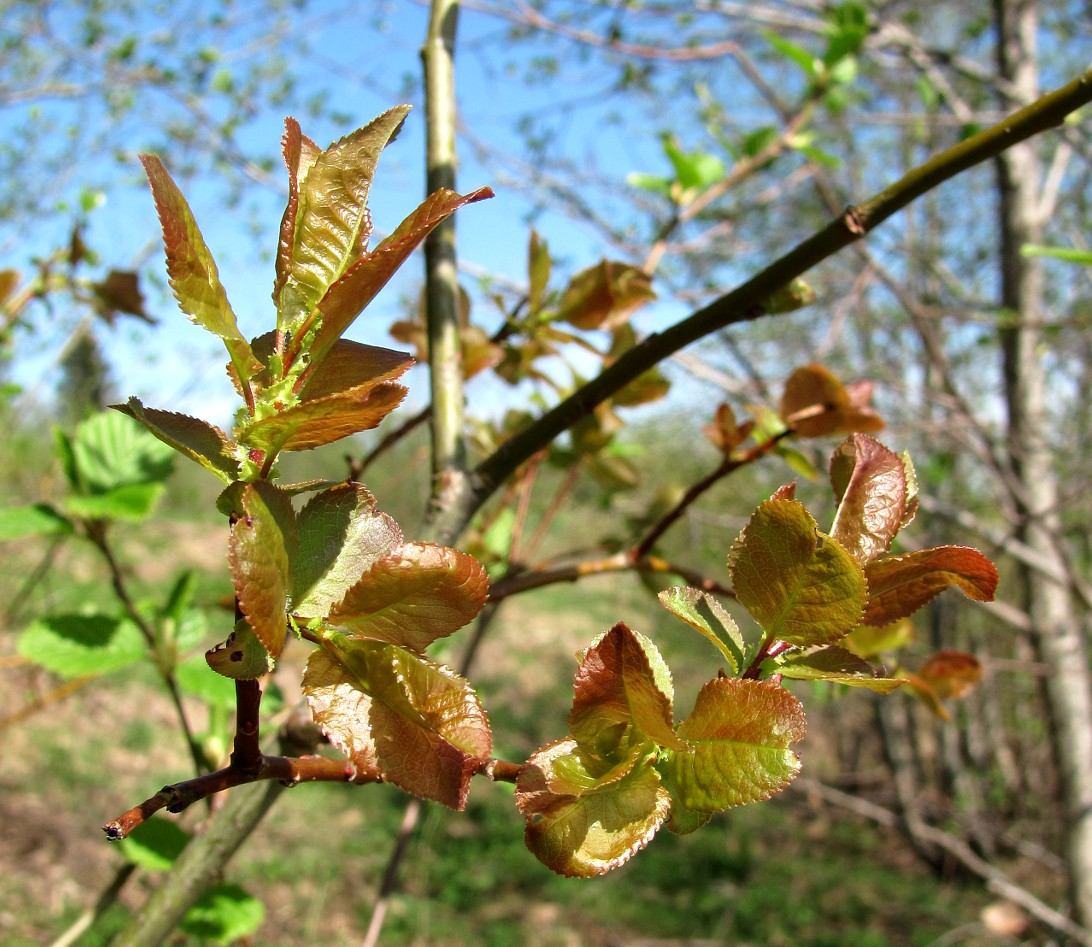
(359,285)
(816,403)
(739,734)
(259,557)
(331,219)
(583,822)
(605,295)
(340,535)
(870,484)
(617,703)
(196,439)
(800,585)
(951,674)
(420,723)
(192,270)
(351,366)
(899,585)
(120,292)
(412,596)
(300,153)
(311,424)
(725,433)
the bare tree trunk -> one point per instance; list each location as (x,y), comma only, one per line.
(1049,604)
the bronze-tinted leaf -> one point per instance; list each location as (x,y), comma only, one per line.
(616,701)
(605,295)
(311,424)
(343,712)
(360,283)
(300,153)
(816,403)
(120,292)
(412,596)
(200,441)
(725,433)
(870,483)
(582,822)
(899,585)
(738,737)
(353,366)
(259,550)
(801,586)
(952,674)
(340,535)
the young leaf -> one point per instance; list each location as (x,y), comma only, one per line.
(154,844)
(340,535)
(131,502)
(196,439)
(311,424)
(796,294)
(837,666)
(870,483)
(300,153)
(350,366)
(412,596)
(899,585)
(617,703)
(110,452)
(38,519)
(868,642)
(224,914)
(243,657)
(582,824)
(739,734)
(191,269)
(800,585)
(816,403)
(259,550)
(331,218)
(359,285)
(538,272)
(75,645)
(951,674)
(418,724)
(605,295)
(705,614)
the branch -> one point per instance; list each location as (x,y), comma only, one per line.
(745,303)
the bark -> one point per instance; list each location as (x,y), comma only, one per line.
(1050,606)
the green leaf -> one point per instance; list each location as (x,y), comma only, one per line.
(870,484)
(154,844)
(899,585)
(192,271)
(1068,254)
(38,519)
(739,734)
(331,221)
(340,535)
(799,584)
(412,596)
(395,714)
(694,170)
(868,642)
(838,666)
(582,824)
(797,54)
(195,678)
(300,154)
(312,424)
(604,295)
(617,703)
(653,183)
(360,284)
(224,914)
(131,502)
(111,451)
(196,439)
(538,272)
(705,614)
(74,645)
(258,553)
(243,657)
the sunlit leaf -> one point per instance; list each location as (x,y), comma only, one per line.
(816,403)
(538,271)
(739,734)
(223,914)
(331,218)
(38,519)
(340,535)
(616,702)
(705,614)
(300,153)
(867,641)
(899,585)
(311,424)
(110,451)
(131,502)
(580,824)
(837,666)
(154,844)
(350,366)
(196,439)
(191,269)
(359,285)
(259,549)
(243,657)
(74,645)
(604,295)
(870,484)
(800,585)
(413,595)
(421,724)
